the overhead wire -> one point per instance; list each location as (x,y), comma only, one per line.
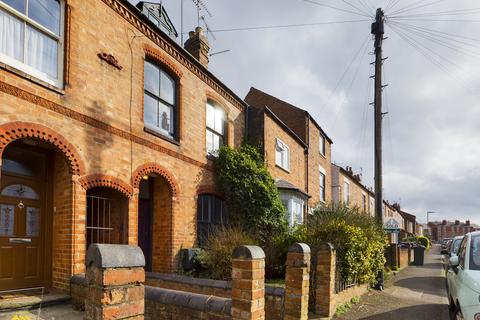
(439,42)
(452,37)
(337,85)
(290,25)
(439,13)
(357,8)
(351,84)
(336,8)
(432,56)
(405,9)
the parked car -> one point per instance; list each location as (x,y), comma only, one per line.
(463,279)
(445,243)
(452,250)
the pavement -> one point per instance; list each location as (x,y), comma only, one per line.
(416,292)
(57,312)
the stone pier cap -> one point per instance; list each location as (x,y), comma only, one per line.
(114,256)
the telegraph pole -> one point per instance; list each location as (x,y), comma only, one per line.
(378,31)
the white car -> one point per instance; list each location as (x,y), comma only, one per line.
(463,279)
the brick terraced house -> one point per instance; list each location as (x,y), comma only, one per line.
(297,152)
(106,124)
(347,189)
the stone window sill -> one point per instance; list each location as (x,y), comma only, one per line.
(31,78)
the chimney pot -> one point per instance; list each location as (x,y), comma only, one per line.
(197,45)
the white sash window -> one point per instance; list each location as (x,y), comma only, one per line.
(31,37)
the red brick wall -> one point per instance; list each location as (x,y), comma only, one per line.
(97,120)
(162,226)
(62,222)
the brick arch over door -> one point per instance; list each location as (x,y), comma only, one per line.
(12,131)
(102,180)
(151,167)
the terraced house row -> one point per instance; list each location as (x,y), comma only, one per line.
(107,131)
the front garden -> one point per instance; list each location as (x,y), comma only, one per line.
(257,217)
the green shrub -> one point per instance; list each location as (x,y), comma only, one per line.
(358,239)
(251,195)
(424,241)
(276,251)
(216,256)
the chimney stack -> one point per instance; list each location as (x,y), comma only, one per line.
(467,222)
(457,222)
(198,46)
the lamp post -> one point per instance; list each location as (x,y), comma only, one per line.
(428,215)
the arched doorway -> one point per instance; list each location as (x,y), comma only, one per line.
(158,192)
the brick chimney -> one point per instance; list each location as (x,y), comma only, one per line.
(467,222)
(457,222)
(396,206)
(444,222)
(198,46)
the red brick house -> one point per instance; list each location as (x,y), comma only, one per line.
(105,127)
(450,229)
(297,151)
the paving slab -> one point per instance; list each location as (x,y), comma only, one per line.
(57,312)
(416,292)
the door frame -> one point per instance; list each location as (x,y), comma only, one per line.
(44,186)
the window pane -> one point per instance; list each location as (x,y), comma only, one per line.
(210,116)
(216,142)
(42,52)
(165,114)
(7,220)
(150,112)
(32,222)
(210,147)
(46,12)
(20,191)
(11,36)
(219,121)
(167,88)
(152,78)
(18,5)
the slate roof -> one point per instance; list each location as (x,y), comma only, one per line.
(285,185)
(288,113)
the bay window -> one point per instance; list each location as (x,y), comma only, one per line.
(31,37)
(160,101)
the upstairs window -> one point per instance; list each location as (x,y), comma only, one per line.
(31,37)
(322,185)
(364,202)
(322,146)
(282,155)
(160,101)
(216,126)
(211,215)
(346,192)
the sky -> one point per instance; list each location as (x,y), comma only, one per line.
(432,129)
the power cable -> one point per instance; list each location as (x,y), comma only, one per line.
(357,8)
(336,8)
(417,7)
(289,25)
(364,43)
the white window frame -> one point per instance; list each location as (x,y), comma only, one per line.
(58,82)
(292,203)
(223,136)
(346,192)
(364,202)
(322,145)
(323,172)
(279,144)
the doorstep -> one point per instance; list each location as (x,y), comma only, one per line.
(30,299)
